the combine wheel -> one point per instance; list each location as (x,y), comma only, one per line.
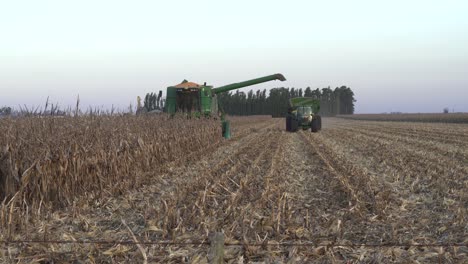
(319,119)
(314,127)
(288,123)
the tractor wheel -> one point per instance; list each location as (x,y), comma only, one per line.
(294,125)
(314,126)
(319,118)
(288,123)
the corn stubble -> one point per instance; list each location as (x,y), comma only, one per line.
(152,179)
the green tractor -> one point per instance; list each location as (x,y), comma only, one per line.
(200,100)
(303,113)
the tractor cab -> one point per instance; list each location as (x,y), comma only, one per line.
(304,110)
(304,115)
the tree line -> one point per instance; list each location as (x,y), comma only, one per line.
(153,101)
(5,110)
(332,101)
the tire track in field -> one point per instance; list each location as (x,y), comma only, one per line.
(320,207)
(231,187)
(320,197)
(353,178)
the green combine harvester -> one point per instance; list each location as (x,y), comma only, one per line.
(201,101)
(303,113)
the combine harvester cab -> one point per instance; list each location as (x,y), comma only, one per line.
(303,112)
(200,100)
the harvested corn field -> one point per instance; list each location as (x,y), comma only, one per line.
(428,118)
(134,191)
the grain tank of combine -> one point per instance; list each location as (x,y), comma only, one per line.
(201,100)
(303,113)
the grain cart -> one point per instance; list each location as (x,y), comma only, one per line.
(303,112)
(201,101)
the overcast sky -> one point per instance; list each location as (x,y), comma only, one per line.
(409,56)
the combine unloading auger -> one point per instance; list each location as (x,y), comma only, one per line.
(201,100)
